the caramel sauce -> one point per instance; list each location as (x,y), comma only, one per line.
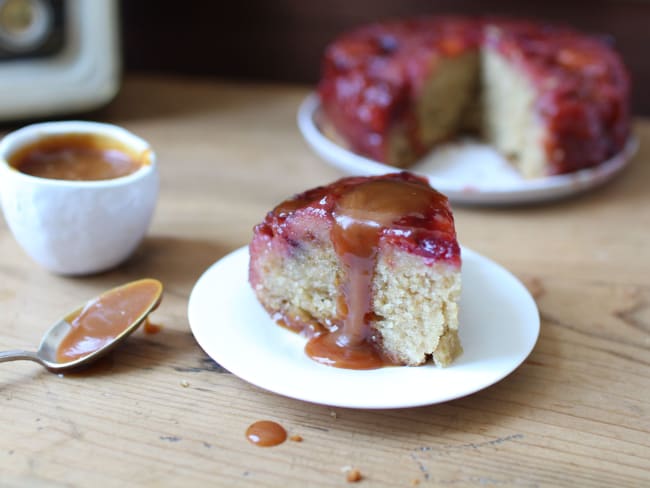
(151,328)
(78,157)
(398,209)
(266,433)
(104,318)
(327,349)
(305,326)
(360,215)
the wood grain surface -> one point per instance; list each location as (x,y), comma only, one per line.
(159,412)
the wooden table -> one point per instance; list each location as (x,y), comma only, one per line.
(160,412)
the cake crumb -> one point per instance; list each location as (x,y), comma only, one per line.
(354,476)
(415,481)
(295,438)
(185,383)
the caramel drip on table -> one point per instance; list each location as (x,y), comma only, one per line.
(151,328)
(265,433)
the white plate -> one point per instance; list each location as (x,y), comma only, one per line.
(466,171)
(499,325)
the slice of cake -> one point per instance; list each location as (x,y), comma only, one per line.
(367,267)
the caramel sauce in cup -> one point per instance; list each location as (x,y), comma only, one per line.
(77,157)
(78,196)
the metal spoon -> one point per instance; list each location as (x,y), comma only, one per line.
(46,355)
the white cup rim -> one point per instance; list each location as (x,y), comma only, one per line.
(30,133)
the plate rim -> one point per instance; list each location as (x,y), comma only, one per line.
(236,254)
(529,191)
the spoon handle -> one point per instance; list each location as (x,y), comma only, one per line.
(17,354)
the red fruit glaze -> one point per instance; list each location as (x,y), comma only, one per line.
(428,232)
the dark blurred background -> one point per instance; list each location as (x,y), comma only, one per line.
(282,40)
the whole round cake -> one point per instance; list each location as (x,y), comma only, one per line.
(367,267)
(549,98)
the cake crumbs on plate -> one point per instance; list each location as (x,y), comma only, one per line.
(185,383)
(295,438)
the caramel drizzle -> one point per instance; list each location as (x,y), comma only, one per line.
(360,216)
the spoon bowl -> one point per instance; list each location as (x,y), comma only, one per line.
(53,353)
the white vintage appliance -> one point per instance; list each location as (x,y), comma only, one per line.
(57,57)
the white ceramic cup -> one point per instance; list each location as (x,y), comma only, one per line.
(78,227)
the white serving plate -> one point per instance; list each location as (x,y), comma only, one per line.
(468,172)
(499,325)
